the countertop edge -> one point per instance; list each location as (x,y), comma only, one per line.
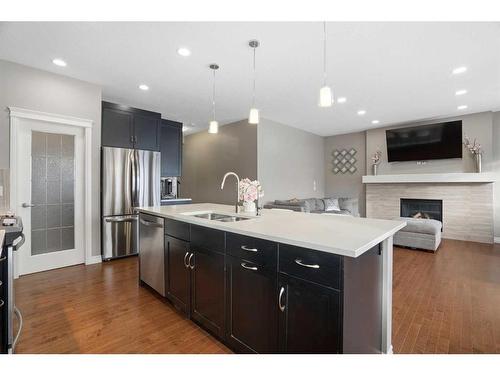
(212,224)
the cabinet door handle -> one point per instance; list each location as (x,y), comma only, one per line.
(280,297)
(189,261)
(244,265)
(186,264)
(243,247)
(2,303)
(299,262)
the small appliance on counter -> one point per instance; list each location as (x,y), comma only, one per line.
(170,192)
(169,187)
(12,241)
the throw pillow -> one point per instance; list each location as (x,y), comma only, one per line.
(331,204)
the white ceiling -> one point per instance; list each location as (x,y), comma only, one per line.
(397,72)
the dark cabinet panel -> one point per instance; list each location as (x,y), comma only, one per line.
(207,288)
(317,266)
(177,229)
(208,238)
(171,148)
(117,128)
(128,127)
(253,249)
(178,283)
(146,130)
(252,310)
(309,317)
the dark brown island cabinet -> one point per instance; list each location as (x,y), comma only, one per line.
(259,296)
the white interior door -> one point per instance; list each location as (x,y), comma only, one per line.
(50,194)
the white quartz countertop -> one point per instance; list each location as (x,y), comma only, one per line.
(337,234)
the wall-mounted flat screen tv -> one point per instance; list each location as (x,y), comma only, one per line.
(425,142)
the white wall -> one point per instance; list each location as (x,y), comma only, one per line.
(29,88)
(346,185)
(290,162)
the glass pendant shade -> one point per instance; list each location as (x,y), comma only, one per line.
(253,117)
(213,127)
(325,97)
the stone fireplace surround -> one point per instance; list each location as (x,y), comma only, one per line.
(467,200)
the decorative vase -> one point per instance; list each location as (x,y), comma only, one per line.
(375,169)
(477,159)
(249,207)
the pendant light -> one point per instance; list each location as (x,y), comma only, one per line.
(325,92)
(213,127)
(253,117)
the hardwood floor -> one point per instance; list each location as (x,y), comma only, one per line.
(102,309)
(448,302)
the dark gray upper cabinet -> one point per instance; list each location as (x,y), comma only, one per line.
(146,131)
(129,127)
(117,128)
(171,148)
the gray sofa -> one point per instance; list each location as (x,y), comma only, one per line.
(347,206)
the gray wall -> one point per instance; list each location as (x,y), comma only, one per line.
(495,167)
(207,157)
(346,185)
(477,125)
(29,88)
(290,162)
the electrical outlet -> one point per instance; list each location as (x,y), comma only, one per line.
(1,191)
(314,185)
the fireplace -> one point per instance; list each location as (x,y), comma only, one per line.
(422,208)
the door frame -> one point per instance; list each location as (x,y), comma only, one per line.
(16,114)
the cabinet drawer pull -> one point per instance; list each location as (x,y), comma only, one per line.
(2,259)
(244,265)
(243,247)
(280,297)
(299,262)
(189,261)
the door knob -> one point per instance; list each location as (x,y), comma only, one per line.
(26,205)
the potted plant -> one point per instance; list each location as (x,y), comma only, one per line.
(376,161)
(250,192)
(475,149)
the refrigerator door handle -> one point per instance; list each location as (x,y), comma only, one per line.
(134,178)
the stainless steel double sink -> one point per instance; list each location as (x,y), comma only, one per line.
(218,217)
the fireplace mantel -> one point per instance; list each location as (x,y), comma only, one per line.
(438,178)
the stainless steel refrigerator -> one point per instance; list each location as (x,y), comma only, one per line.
(129,178)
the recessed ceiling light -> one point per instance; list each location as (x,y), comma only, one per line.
(461,107)
(361,112)
(185,128)
(461,92)
(341,100)
(59,62)
(375,122)
(144,87)
(183,51)
(459,70)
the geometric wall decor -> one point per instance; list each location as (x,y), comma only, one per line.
(344,161)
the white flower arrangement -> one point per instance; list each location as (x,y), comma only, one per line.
(473,147)
(250,191)
(376,157)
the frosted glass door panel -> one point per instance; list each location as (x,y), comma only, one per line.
(52,192)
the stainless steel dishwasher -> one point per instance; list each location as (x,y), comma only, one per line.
(151,252)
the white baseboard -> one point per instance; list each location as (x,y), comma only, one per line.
(93,260)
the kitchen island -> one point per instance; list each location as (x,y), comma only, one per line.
(282,282)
